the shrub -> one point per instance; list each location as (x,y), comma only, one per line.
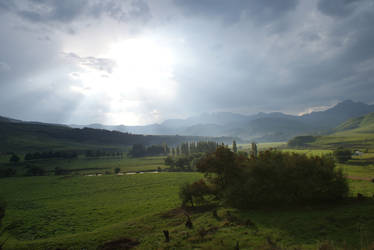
(117,170)
(276,177)
(342,154)
(35,171)
(8,172)
(273,177)
(194,193)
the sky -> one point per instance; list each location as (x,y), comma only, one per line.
(137,62)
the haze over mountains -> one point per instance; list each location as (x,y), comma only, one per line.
(260,127)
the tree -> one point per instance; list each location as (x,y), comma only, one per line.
(117,170)
(222,167)
(2,214)
(342,154)
(234,148)
(254,150)
(138,150)
(14,158)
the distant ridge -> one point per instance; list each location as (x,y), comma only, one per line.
(261,127)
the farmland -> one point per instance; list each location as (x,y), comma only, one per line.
(79,211)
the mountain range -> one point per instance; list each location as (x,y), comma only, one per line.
(260,127)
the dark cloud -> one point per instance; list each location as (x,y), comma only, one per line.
(338,8)
(261,11)
(56,11)
(267,56)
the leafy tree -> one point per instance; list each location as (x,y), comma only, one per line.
(254,150)
(342,154)
(169,161)
(14,158)
(35,171)
(194,193)
(222,167)
(234,148)
(117,170)
(138,150)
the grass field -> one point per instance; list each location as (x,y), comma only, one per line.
(83,165)
(48,210)
(85,212)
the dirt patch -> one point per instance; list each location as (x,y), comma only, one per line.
(360,178)
(121,244)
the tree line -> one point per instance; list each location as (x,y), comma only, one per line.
(102,153)
(50,155)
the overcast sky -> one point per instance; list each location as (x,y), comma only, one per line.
(138,62)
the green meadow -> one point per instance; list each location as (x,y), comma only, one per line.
(86,212)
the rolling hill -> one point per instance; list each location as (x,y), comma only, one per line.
(20,136)
(355,133)
(260,127)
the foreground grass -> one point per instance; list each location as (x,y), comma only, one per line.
(44,208)
(85,212)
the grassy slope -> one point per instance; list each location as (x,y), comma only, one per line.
(84,212)
(51,210)
(357,133)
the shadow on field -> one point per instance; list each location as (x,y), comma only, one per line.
(121,244)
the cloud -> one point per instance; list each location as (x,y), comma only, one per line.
(240,56)
(67,11)
(4,67)
(258,10)
(338,8)
(101,64)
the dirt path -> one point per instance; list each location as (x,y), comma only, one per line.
(360,178)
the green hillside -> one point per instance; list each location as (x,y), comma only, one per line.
(357,133)
(362,123)
(18,136)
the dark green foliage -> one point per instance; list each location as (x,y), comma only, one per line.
(140,150)
(35,171)
(8,172)
(234,147)
(194,193)
(301,141)
(14,158)
(254,149)
(223,167)
(283,178)
(51,155)
(273,177)
(117,170)
(2,214)
(58,171)
(2,211)
(342,154)
(183,162)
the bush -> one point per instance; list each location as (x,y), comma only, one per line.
(342,154)
(273,177)
(35,171)
(194,193)
(8,172)
(117,170)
